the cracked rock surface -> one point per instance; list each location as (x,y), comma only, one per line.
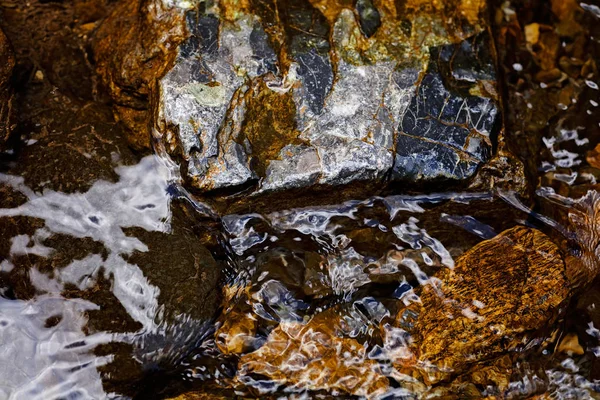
(279,96)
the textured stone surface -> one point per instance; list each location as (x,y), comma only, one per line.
(490,303)
(280,95)
(444,133)
(314,356)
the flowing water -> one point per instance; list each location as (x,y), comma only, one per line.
(350,265)
(115,282)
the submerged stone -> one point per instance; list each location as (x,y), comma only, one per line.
(313,356)
(489,304)
(500,296)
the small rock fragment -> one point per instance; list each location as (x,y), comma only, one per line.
(532,33)
(570,345)
(593,157)
(200,396)
(370,19)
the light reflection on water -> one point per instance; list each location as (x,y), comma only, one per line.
(49,347)
(38,362)
(332,276)
(57,361)
(139,199)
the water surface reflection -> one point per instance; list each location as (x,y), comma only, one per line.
(71,282)
(104,288)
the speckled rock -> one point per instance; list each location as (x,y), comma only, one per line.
(499,296)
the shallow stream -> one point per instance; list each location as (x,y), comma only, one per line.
(116,282)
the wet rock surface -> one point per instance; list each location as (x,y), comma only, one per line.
(138,263)
(551,91)
(281,96)
(133,46)
(313,356)
(484,312)
(347,116)
(444,134)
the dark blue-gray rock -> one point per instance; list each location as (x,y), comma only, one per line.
(369,17)
(446,130)
(366,104)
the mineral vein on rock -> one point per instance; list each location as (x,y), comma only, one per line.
(280,95)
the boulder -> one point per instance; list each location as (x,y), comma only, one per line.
(304,97)
(268,100)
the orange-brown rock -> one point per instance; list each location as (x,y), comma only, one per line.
(237,331)
(199,396)
(593,157)
(499,294)
(133,48)
(570,345)
(499,291)
(314,356)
